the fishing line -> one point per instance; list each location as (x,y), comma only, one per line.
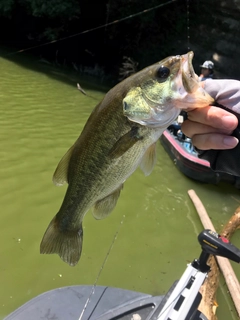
(96,28)
(188,25)
(102,266)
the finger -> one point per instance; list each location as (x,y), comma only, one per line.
(191,128)
(214,117)
(214,141)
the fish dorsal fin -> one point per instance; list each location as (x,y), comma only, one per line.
(104,207)
(125,143)
(60,175)
(149,159)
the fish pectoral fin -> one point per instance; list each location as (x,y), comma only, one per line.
(104,207)
(67,244)
(125,143)
(60,175)
(149,159)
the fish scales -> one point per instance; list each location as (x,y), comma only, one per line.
(119,136)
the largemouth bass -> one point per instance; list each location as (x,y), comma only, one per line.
(120,135)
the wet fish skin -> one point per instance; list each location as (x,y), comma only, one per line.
(119,136)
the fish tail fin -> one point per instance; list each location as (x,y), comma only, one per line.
(67,244)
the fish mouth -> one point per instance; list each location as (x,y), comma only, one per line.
(189,77)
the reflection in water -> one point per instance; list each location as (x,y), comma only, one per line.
(42,114)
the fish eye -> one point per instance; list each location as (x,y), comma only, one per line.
(163,73)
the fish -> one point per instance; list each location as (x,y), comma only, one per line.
(119,136)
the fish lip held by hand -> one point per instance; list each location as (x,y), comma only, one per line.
(120,135)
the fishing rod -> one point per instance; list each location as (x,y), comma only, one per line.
(95,28)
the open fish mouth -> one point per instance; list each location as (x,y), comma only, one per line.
(189,77)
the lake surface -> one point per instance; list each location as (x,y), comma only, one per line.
(42,114)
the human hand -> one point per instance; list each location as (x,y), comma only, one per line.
(211,127)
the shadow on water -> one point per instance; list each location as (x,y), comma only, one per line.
(62,73)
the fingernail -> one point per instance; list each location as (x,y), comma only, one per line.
(230,142)
(229,122)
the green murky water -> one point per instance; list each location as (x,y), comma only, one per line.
(42,113)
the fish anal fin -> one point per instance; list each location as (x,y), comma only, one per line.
(67,244)
(125,143)
(148,160)
(104,207)
(60,175)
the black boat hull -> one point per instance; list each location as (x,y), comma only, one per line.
(190,164)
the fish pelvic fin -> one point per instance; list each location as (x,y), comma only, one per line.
(125,143)
(148,160)
(67,244)
(60,175)
(104,207)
